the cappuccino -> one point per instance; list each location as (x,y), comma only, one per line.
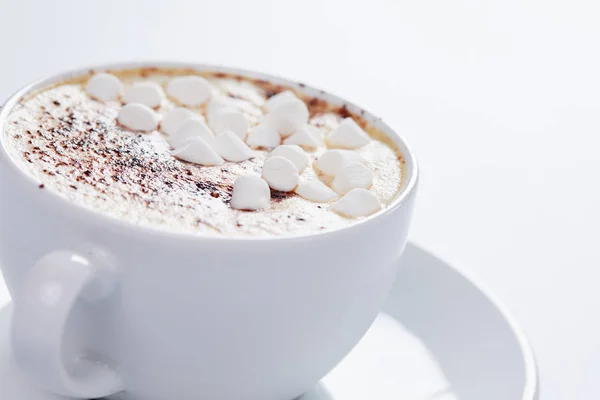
(167,148)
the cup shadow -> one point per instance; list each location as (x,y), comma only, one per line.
(318,393)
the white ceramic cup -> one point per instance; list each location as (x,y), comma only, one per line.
(102,306)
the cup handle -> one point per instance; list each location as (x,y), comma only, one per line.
(53,286)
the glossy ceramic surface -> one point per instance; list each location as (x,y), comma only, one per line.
(102,306)
(440,337)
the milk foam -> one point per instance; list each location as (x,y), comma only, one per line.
(134,176)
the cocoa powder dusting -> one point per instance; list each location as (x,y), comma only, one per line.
(131,159)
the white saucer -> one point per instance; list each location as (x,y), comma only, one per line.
(439,338)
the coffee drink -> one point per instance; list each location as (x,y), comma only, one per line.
(205,153)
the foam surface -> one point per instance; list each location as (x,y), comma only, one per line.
(73,146)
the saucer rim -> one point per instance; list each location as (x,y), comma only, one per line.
(531,390)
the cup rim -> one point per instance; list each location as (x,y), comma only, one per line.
(85,214)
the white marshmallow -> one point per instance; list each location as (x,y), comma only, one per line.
(316,191)
(229,119)
(317,134)
(232,148)
(199,152)
(357,203)
(104,87)
(148,93)
(331,162)
(189,90)
(269,120)
(263,136)
(304,136)
(138,117)
(173,120)
(192,128)
(281,174)
(250,192)
(288,115)
(218,103)
(348,135)
(352,175)
(274,101)
(293,153)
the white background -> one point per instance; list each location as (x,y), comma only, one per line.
(500,100)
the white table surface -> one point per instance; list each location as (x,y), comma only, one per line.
(500,100)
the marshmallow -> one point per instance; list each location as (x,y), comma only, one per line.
(174,119)
(189,90)
(288,115)
(104,87)
(199,152)
(317,134)
(250,192)
(352,175)
(229,119)
(357,203)
(304,136)
(293,153)
(218,103)
(138,117)
(331,162)
(232,148)
(281,174)
(348,135)
(148,93)
(192,128)
(316,191)
(269,120)
(263,135)
(279,98)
